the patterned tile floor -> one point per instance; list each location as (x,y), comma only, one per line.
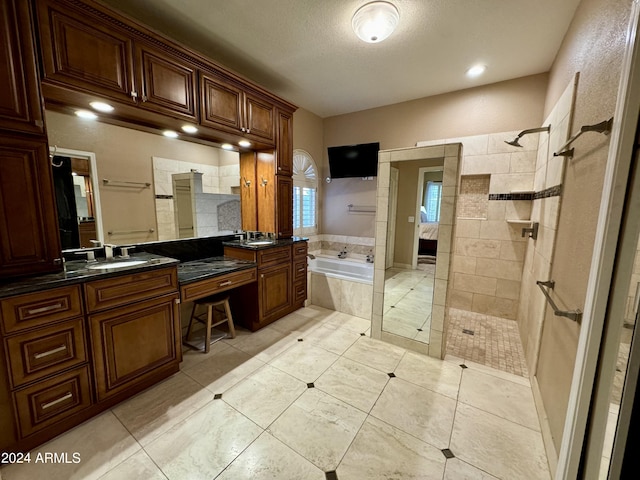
(485,339)
(311,396)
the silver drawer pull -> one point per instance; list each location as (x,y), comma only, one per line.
(301,270)
(224,284)
(49,308)
(67,396)
(61,348)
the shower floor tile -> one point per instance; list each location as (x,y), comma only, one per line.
(485,339)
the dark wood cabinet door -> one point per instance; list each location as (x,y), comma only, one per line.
(248,200)
(259,118)
(221,103)
(265,191)
(274,287)
(284,144)
(168,84)
(85,52)
(20,108)
(284,206)
(29,242)
(130,343)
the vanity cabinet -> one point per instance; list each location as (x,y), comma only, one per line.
(29,241)
(46,363)
(69,353)
(281,287)
(133,328)
(284,150)
(230,107)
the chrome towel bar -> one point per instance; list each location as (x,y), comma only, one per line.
(361,208)
(575,315)
(602,127)
(122,183)
(125,232)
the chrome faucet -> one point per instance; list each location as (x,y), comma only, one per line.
(343,253)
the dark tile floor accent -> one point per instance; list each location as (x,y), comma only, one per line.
(331,475)
(217,396)
(391,375)
(310,385)
(447,453)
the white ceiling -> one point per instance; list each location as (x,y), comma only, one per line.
(306,52)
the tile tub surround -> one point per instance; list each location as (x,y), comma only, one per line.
(208,420)
(338,292)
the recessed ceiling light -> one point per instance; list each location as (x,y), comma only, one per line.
(476,71)
(227,146)
(170,134)
(101,106)
(244,143)
(86,114)
(189,129)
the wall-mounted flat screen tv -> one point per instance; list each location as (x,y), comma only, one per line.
(354,160)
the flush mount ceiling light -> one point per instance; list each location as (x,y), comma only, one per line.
(244,143)
(86,114)
(101,106)
(170,134)
(189,129)
(476,70)
(227,146)
(375,21)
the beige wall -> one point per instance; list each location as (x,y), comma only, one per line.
(125,154)
(594,46)
(505,106)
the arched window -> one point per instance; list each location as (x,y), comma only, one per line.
(305,194)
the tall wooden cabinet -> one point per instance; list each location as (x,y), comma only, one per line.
(29,242)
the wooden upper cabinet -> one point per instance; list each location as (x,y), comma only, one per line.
(168,84)
(29,241)
(284,144)
(259,118)
(226,106)
(85,53)
(20,108)
(284,206)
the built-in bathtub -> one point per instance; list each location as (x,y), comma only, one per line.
(344,285)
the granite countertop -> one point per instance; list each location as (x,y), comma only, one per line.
(196,270)
(247,244)
(76,271)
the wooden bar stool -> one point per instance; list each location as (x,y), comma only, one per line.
(214,304)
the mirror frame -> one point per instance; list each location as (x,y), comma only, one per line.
(450,155)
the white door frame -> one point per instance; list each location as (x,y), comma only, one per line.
(93,171)
(419,197)
(601,274)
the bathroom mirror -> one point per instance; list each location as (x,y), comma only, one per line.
(416,197)
(132,181)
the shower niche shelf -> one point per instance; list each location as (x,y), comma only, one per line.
(517,221)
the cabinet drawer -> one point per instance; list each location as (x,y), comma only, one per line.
(50,401)
(113,292)
(299,249)
(299,292)
(207,287)
(45,351)
(37,309)
(274,256)
(300,269)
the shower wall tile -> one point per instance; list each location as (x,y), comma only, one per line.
(460,300)
(496,269)
(523,162)
(486,164)
(478,248)
(497,210)
(475,283)
(513,250)
(495,306)
(467,228)
(463,264)
(473,145)
(510,182)
(509,289)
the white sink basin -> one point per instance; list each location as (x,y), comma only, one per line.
(260,242)
(111,265)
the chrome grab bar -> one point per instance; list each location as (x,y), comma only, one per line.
(124,183)
(575,315)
